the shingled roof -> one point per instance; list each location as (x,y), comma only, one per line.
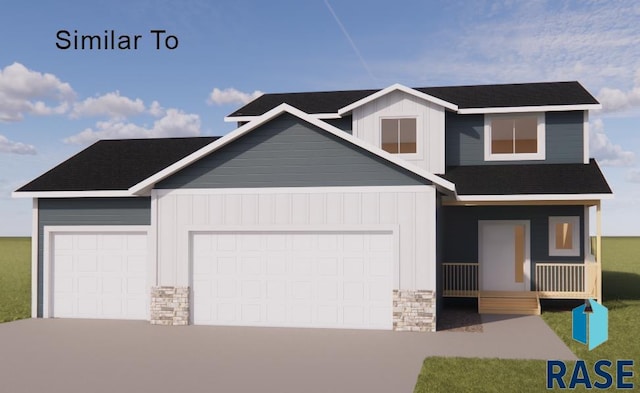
(110,165)
(465,97)
(523,179)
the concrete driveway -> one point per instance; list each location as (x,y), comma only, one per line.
(95,356)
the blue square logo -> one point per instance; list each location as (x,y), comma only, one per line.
(590,323)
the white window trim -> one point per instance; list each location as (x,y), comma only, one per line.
(419,154)
(575,236)
(540,155)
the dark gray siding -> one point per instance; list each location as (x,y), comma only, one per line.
(288,152)
(465,139)
(343,123)
(87,211)
(565,137)
(461,230)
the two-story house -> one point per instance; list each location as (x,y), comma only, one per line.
(344,209)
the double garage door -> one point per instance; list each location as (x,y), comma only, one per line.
(99,275)
(336,279)
(293,279)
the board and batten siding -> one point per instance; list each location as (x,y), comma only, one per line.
(87,212)
(289,152)
(430,122)
(563,134)
(412,209)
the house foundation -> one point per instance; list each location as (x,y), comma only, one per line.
(414,311)
(170,306)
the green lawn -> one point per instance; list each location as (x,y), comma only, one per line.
(621,293)
(15,278)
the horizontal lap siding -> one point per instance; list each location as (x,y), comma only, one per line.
(564,139)
(87,211)
(412,211)
(288,152)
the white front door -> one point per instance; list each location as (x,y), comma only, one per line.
(339,279)
(504,255)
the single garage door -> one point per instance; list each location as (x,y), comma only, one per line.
(293,279)
(99,275)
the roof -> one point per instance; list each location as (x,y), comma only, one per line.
(528,179)
(116,164)
(465,97)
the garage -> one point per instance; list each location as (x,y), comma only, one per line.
(301,278)
(98,275)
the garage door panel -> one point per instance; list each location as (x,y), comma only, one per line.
(300,279)
(99,275)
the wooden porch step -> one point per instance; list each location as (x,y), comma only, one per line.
(498,302)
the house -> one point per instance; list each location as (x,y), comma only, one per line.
(344,209)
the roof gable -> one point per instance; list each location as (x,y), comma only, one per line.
(392,88)
(290,152)
(272,114)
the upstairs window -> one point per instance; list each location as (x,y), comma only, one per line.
(399,135)
(514,137)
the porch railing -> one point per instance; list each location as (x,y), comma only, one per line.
(552,280)
(460,279)
(567,280)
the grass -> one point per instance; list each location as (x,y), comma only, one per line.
(621,293)
(15,278)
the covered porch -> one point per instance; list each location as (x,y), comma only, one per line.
(545,275)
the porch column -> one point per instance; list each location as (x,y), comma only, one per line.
(599,251)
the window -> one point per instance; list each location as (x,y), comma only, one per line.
(564,236)
(399,136)
(514,137)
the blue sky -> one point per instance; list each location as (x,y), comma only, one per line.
(54,102)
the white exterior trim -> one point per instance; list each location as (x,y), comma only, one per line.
(533,197)
(527,248)
(277,111)
(288,190)
(392,88)
(50,230)
(153,240)
(585,137)
(73,194)
(541,108)
(34,258)
(575,236)
(541,141)
(321,116)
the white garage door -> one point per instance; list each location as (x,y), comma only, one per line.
(99,275)
(295,279)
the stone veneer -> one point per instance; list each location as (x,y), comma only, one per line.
(414,311)
(170,306)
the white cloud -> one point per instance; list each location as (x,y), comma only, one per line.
(633,175)
(174,123)
(606,151)
(7,146)
(111,104)
(156,109)
(231,96)
(23,91)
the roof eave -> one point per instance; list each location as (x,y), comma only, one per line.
(76,194)
(522,109)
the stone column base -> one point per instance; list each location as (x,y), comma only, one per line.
(414,311)
(170,306)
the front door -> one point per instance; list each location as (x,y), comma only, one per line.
(504,255)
